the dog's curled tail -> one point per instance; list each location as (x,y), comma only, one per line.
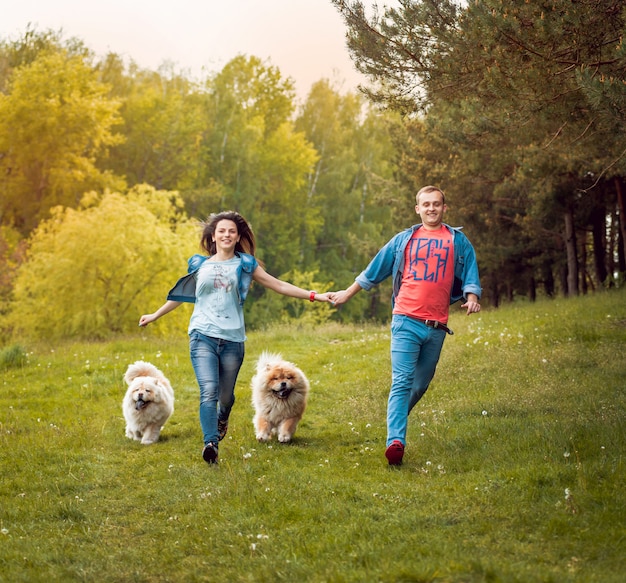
(141,369)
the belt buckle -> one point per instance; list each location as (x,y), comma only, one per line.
(432,323)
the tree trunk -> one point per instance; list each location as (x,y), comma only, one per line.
(572,260)
(621,254)
(548,279)
(563,279)
(621,205)
(582,266)
(495,292)
(532,289)
(598,226)
(510,292)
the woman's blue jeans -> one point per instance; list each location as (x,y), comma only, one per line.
(415,350)
(216,363)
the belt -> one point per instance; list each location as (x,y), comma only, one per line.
(436,324)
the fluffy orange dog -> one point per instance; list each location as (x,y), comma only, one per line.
(279,397)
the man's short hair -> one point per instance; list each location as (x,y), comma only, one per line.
(427,189)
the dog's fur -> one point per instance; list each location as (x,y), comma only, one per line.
(148,403)
(279,397)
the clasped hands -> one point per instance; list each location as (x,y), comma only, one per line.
(334,298)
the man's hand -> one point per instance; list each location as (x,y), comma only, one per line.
(471,304)
(339,297)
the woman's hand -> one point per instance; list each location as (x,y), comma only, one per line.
(322,297)
(146,319)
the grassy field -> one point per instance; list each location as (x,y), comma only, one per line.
(514,468)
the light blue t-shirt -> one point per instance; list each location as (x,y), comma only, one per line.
(217,311)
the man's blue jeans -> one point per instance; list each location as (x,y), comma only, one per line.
(216,363)
(415,350)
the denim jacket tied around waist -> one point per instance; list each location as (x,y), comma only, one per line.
(389,261)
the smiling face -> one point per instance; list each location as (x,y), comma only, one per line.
(430,207)
(282,379)
(226,236)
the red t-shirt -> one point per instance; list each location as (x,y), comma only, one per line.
(428,275)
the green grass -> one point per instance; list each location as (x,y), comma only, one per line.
(528,403)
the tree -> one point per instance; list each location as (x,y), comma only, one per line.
(255,162)
(12,251)
(352,186)
(54,122)
(286,225)
(245,103)
(549,77)
(164,125)
(91,272)
(33,43)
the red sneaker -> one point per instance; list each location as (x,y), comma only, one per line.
(395,452)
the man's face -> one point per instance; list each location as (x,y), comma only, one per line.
(430,208)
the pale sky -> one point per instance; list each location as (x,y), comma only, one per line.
(305,39)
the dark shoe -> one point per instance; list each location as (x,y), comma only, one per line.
(209,453)
(395,452)
(222,428)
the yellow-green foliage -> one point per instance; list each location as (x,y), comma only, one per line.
(55,120)
(93,271)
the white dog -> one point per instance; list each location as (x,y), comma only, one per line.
(279,397)
(148,403)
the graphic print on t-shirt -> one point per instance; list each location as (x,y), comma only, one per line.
(427,276)
(222,286)
(220,280)
(216,289)
(428,259)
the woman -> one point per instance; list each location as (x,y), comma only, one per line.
(218,284)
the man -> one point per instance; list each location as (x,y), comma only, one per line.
(433,265)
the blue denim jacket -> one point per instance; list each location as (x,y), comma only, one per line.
(185,288)
(389,261)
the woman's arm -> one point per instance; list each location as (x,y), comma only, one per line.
(166,308)
(282,287)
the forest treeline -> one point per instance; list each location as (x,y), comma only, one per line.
(515,109)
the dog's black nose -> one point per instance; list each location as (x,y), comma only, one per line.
(283,385)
